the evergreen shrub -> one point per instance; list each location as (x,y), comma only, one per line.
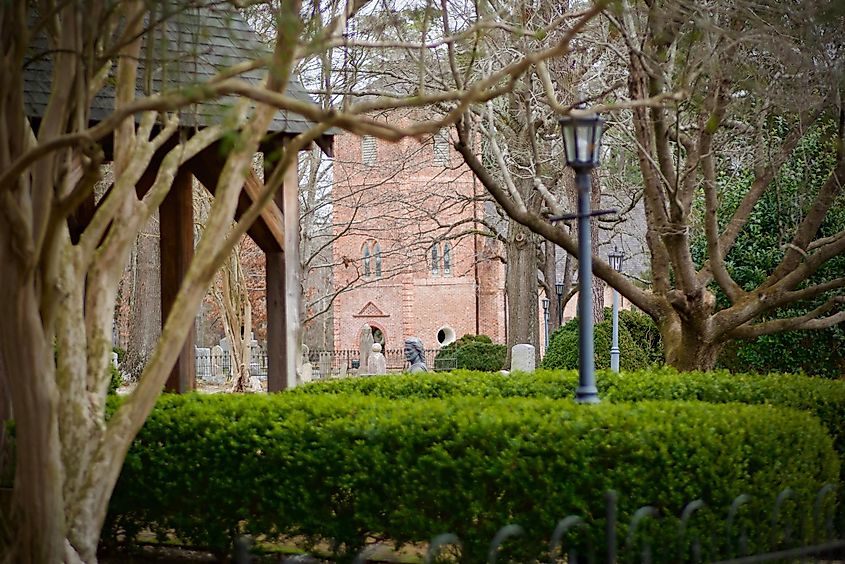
(473,352)
(639,343)
(343,470)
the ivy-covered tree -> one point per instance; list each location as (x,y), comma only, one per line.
(761,244)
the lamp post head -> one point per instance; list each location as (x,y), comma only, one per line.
(582,139)
(615,258)
(559,289)
(545,302)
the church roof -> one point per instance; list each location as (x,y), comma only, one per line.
(190,47)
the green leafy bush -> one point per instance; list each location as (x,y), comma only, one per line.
(208,468)
(634,354)
(823,398)
(644,332)
(473,352)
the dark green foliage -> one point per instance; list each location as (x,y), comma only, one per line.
(760,247)
(322,467)
(639,343)
(121,354)
(116,375)
(116,379)
(473,352)
(644,332)
(823,398)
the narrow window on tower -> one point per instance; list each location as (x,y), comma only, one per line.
(366,256)
(441,148)
(447,259)
(377,255)
(435,259)
(368,150)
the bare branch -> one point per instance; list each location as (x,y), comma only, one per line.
(811,320)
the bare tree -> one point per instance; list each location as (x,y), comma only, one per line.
(694,102)
(60,291)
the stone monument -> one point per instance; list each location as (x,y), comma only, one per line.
(365,348)
(376,364)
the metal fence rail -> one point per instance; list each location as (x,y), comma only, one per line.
(826,545)
(325,364)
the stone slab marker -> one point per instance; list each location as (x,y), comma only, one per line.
(522,358)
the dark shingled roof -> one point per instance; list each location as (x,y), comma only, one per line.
(189,48)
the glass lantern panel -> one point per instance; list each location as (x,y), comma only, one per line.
(597,132)
(583,139)
(569,142)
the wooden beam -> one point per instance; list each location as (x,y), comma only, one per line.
(268,229)
(176,217)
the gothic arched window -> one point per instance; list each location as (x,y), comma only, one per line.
(447,258)
(377,255)
(435,259)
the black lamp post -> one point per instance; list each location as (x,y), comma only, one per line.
(559,292)
(615,259)
(582,145)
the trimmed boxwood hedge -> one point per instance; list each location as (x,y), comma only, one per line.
(347,469)
(823,398)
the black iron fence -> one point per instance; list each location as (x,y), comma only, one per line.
(216,365)
(781,536)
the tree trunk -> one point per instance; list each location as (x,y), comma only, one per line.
(550,276)
(145,299)
(37,515)
(598,283)
(521,287)
(685,348)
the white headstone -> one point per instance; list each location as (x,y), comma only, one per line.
(217,362)
(376,364)
(522,358)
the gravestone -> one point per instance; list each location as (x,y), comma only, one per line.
(255,384)
(376,364)
(522,358)
(324,364)
(217,354)
(306,371)
(203,356)
(365,348)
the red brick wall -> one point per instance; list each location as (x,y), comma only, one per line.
(404,201)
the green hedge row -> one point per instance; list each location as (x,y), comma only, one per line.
(823,398)
(209,468)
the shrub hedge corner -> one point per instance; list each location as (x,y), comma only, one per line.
(345,469)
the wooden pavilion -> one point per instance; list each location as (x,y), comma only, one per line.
(188,48)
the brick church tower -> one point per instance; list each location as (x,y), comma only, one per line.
(409,258)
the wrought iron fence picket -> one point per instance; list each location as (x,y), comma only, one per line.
(565,536)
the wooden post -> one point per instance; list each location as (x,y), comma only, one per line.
(292,274)
(176,217)
(284,293)
(275,295)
